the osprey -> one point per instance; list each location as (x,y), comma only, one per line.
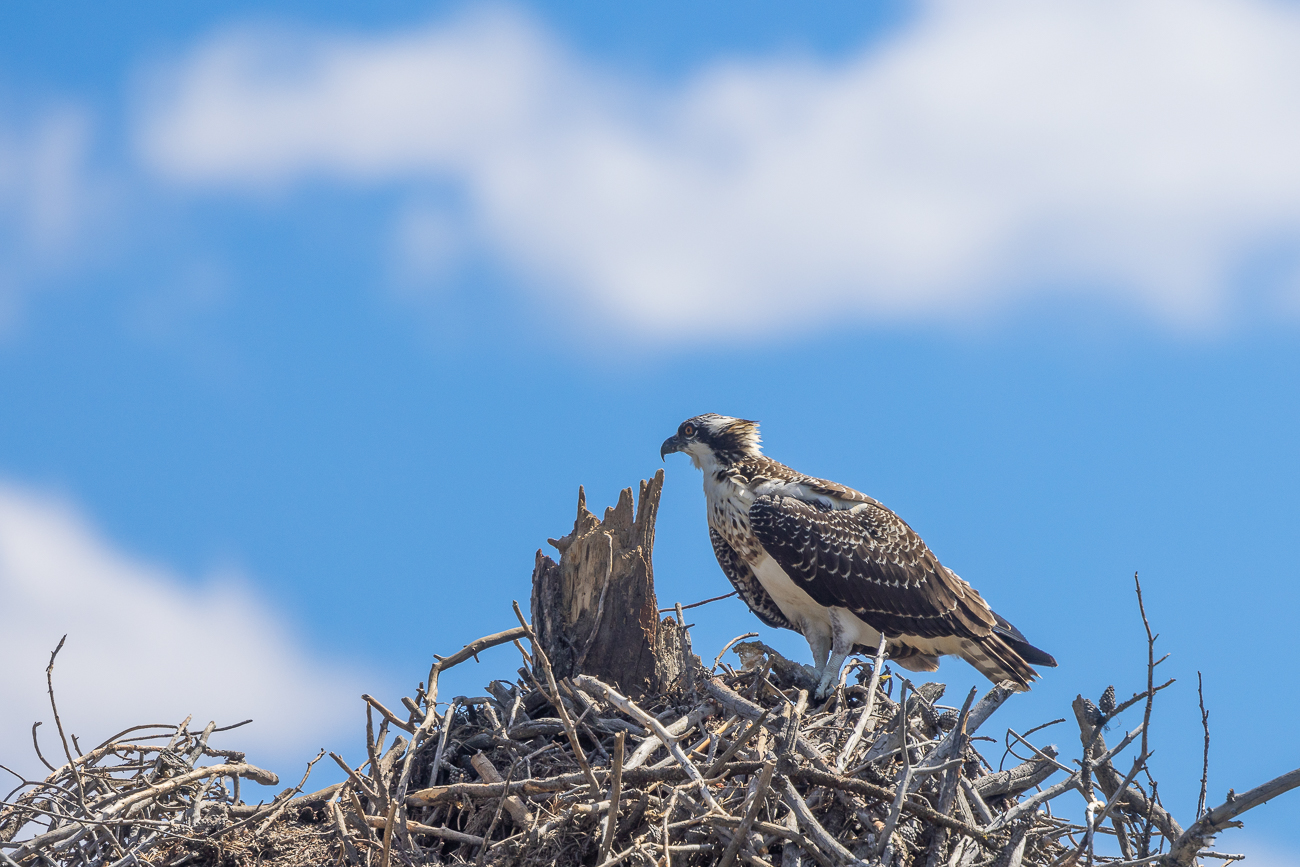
(837,566)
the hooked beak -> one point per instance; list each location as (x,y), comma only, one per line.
(672,444)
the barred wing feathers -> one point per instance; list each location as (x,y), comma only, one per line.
(868,560)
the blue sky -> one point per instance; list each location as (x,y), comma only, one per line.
(312,322)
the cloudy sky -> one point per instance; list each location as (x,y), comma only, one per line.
(311,324)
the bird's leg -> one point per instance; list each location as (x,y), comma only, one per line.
(819,637)
(841,647)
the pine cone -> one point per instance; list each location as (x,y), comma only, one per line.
(1108,700)
(1093,715)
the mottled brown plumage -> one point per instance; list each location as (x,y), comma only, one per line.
(836,565)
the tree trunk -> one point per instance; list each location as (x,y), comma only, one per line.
(595,611)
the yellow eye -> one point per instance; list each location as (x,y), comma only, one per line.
(688,430)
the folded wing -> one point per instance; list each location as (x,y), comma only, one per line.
(868,560)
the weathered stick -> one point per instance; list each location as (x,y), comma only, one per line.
(388,714)
(864,721)
(429,830)
(743,707)
(737,745)
(518,812)
(615,793)
(540,656)
(819,835)
(420,735)
(751,815)
(1186,848)
(630,708)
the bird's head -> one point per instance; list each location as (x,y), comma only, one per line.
(714,439)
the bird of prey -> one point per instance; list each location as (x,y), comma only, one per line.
(837,566)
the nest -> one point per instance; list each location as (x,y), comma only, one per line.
(686,766)
(735,765)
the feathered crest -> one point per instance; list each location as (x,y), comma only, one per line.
(731,435)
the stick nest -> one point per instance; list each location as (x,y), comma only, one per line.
(733,765)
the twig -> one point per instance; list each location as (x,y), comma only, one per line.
(1151,664)
(540,656)
(976,801)
(36,744)
(275,809)
(518,812)
(615,793)
(492,826)
(388,714)
(737,745)
(1138,764)
(58,723)
(372,752)
(864,721)
(389,828)
(668,811)
(948,787)
(359,782)
(1201,833)
(444,733)
(1031,803)
(1106,719)
(741,706)
(751,814)
(420,735)
(432,831)
(122,804)
(904,782)
(630,708)
(341,831)
(698,604)
(474,648)
(676,729)
(739,638)
(819,835)
(1205,759)
(1044,757)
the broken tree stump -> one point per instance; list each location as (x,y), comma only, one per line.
(595,612)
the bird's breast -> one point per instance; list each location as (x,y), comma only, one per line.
(728,506)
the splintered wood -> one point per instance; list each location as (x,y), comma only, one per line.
(595,611)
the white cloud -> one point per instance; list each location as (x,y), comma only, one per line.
(1143,152)
(49,199)
(143,647)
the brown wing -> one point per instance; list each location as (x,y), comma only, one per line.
(869,561)
(746,583)
(763,467)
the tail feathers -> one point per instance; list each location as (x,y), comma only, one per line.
(1020,644)
(1029,653)
(995,658)
(1002,655)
